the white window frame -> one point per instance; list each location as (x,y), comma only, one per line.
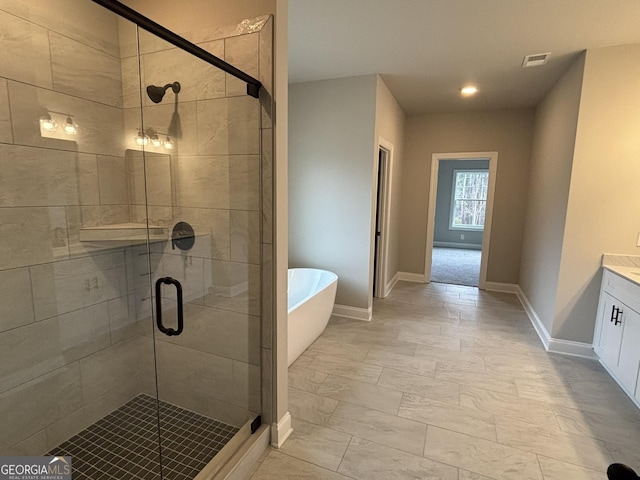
(466,228)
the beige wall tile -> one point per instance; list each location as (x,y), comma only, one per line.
(40,403)
(149,178)
(220,332)
(198,79)
(244,182)
(85,22)
(39,348)
(130,74)
(203,182)
(195,371)
(20,40)
(16,307)
(234,286)
(99,126)
(32,235)
(65,286)
(106,370)
(84,71)
(39,177)
(36,444)
(229,126)
(215,222)
(178,121)
(246,386)
(6,134)
(245,236)
(242,53)
(66,427)
(112,178)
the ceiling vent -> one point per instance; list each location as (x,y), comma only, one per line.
(535,60)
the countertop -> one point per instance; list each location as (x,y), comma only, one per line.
(626,266)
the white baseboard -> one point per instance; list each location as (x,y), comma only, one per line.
(467,246)
(554,345)
(411,277)
(353,312)
(392,283)
(541,330)
(501,287)
(574,349)
(280,431)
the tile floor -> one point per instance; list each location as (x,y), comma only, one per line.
(124,444)
(449,382)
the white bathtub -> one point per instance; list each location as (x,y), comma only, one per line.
(311,295)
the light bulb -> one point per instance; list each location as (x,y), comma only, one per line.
(141,138)
(155,141)
(47,123)
(168,143)
(70,128)
(469,90)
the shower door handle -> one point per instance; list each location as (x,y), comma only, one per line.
(169,331)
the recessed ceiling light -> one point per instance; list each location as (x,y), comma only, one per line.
(468,90)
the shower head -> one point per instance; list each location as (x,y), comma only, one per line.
(156,93)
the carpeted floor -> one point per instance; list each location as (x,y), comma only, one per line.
(455,265)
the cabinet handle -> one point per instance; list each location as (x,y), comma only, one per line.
(616,318)
(613,313)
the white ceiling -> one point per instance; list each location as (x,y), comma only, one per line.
(425,50)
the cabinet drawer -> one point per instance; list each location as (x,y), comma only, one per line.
(622,289)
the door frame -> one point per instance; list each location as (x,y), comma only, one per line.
(380,258)
(488,220)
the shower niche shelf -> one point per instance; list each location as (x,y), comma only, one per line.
(124,234)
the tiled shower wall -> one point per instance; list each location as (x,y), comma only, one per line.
(75,335)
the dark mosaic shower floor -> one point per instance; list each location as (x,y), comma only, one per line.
(124,444)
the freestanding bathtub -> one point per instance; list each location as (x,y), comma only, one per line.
(311,295)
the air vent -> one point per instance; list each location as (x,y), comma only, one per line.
(535,60)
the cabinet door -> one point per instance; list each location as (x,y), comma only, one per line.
(610,332)
(629,361)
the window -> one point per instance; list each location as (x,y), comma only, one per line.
(469,199)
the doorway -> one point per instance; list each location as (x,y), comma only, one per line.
(381,219)
(460,212)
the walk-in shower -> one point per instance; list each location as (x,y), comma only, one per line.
(135,246)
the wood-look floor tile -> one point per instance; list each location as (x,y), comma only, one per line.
(407,363)
(364,372)
(315,444)
(311,407)
(365,460)
(359,393)
(457,418)
(482,456)
(447,392)
(578,450)
(304,379)
(278,466)
(389,430)
(553,469)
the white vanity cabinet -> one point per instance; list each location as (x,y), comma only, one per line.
(617,334)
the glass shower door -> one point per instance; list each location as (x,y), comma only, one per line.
(195,153)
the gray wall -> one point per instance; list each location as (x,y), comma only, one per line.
(331,178)
(442,232)
(554,141)
(509,132)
